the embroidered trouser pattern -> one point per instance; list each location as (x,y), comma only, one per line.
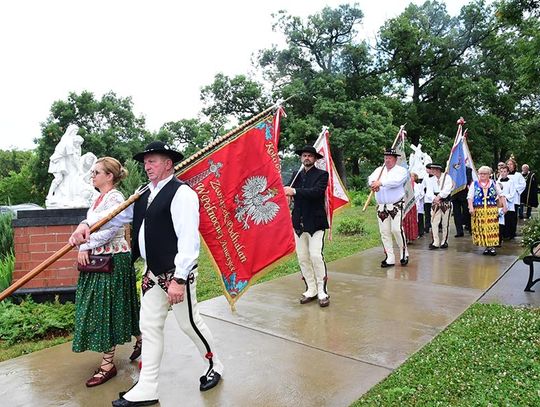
(390,217)
(440,214)
(154,310)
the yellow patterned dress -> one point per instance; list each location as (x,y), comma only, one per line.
(485,218)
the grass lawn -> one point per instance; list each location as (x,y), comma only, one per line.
(490,356)
(23,348)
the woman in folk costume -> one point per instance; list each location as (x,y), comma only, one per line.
(483,197)
(107,307)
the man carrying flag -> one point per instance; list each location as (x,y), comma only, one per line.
(461,174)
(388,184)
(166,235)
(309,218)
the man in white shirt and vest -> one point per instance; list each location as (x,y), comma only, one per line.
(387,182)
(166,235)
(440,185)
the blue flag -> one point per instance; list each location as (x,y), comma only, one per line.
(457,169)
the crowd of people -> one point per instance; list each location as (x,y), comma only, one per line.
(165,235)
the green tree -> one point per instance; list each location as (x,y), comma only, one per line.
(15,188)
(425,52)
(334,83)
(12,160)
(238,97)
(190,135)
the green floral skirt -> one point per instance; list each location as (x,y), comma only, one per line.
(107,307)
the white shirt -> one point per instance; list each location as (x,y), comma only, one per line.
(520,184)
(185,217)
(508,190)
(392,184)
(436,186)
(419,196)
(428,190)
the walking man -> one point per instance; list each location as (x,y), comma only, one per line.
(387,182)
(166,235)
(441,185)
(307,189)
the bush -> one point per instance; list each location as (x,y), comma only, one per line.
(531,231)
(358,198)
(31,321)
(6,235)
(7,265)
(351,226)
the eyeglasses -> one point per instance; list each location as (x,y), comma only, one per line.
(93,173)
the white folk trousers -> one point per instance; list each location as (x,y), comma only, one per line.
(440,214)
(154,310)
(392,226)
(309,250)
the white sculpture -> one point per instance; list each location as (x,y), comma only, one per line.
(71,186)
(418,161)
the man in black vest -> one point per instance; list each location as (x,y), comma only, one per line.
(309,219)
(166,235)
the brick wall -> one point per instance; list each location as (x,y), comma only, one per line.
(38,234)
(34,244)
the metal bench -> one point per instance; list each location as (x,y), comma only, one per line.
(530,260)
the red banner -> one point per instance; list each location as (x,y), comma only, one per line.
(244,217)
(336,195)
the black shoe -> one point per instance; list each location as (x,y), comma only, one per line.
(137,349)
(486,252)
(209,381)
(404,261)
(492,251)
(432,246)
(385,264)
(305,300)
(122,402)
(459,235)
(444,246)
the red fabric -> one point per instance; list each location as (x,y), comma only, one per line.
(244,216)
(410,222)
(336,196)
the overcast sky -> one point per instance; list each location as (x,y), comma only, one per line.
(159,52)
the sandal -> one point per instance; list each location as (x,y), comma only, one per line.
(101,376)
(137,349)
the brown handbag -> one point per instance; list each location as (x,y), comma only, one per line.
(97,263)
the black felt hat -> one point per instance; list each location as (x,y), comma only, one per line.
(391,151)
(309,149)
(436,166)
(159,147)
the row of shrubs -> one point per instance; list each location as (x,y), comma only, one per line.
(30,321)
(7,256)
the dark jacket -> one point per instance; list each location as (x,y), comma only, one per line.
(160,239)
(529,196)
(309,213)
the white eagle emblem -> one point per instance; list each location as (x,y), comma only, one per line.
(255,204)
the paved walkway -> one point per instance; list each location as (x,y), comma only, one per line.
(280,353)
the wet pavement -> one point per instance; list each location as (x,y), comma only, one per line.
(277,352)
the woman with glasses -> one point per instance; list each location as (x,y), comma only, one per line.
(107,307)
(484,197)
